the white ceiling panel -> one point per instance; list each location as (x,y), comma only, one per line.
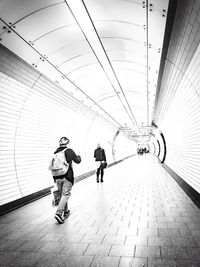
(105,51)
(13,11)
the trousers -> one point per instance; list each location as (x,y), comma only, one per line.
(64,187)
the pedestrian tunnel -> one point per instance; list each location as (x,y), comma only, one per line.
(35,114)
(124,74)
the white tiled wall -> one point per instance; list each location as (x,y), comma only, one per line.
(178,110)
(34,114)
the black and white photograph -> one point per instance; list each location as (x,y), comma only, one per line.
(100,133)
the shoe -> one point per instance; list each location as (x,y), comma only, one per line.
(102,181)
(59,218)
(66,213)
(97,181)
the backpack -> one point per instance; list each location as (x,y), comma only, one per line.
(59,165)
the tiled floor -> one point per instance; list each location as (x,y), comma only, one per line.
(138,217)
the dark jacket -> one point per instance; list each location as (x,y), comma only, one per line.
(70,156)
(99,154)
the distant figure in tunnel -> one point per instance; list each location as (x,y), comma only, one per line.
(100,157)
(65,181)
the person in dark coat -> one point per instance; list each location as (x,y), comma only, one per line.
(100,156)
(66,181)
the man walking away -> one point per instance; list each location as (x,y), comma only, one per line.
(100,156)
(65,181)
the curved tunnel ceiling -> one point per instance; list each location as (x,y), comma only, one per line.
(105,53)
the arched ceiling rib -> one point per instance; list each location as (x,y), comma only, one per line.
(106,53)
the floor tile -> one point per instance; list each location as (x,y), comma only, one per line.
(183,242)
(93,238)
(174,253)
(105,261)
(161,263)
(122,250)
(27,259)
(159,241)
(96,249)
(114,239)
(78,261)
(7,257)
(136,240)
(145,251)
(133,262)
